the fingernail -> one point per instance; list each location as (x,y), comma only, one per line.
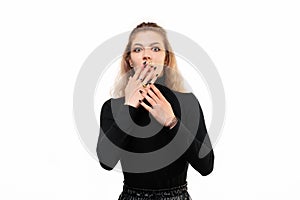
(141,91)
(156,75)
(140,101)
(144,63)
(154,68)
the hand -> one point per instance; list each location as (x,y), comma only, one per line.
(161,109)
(134,85)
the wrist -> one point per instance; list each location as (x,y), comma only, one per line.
(172,122)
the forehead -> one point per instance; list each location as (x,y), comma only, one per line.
(147,37)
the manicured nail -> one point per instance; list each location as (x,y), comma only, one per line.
(141,91)
(140,101)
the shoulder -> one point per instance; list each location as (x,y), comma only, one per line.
(112,102)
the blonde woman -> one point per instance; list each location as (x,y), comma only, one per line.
(149,110)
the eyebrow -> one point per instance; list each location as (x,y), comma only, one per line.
(139,44)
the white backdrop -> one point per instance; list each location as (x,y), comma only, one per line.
(254,45)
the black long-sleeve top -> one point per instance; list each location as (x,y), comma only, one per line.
(121,132)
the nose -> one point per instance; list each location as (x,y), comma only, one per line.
(147,55)
(147,58)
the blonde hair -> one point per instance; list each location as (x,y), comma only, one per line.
(173,78)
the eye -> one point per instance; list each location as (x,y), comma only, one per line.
(137,49)
(156,49)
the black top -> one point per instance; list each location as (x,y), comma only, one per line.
(155,157)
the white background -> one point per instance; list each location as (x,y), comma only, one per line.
(254,44)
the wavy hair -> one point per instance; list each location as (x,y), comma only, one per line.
(173,78)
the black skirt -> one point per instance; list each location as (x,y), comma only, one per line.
(175,193)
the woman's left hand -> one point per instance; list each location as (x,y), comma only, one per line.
(161,109)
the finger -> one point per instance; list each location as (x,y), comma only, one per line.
(148,108)
(137,73)
(149,99)
(145,90)
(154,78)
(157,92)
(148,78)
(143,73)
(153,96)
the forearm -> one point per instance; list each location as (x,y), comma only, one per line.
(195,146)
(113,133)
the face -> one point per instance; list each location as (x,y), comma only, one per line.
(148,46)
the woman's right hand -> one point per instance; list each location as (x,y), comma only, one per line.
(135,85)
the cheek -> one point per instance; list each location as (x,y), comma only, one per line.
(160,58)
(136,58)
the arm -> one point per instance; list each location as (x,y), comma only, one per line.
(111,136)
(200,152)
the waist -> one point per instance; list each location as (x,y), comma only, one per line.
(148,193)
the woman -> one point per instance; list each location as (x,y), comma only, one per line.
(151,94)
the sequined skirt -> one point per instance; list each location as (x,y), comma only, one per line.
(175,193)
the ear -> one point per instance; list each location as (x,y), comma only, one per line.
(130,62)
